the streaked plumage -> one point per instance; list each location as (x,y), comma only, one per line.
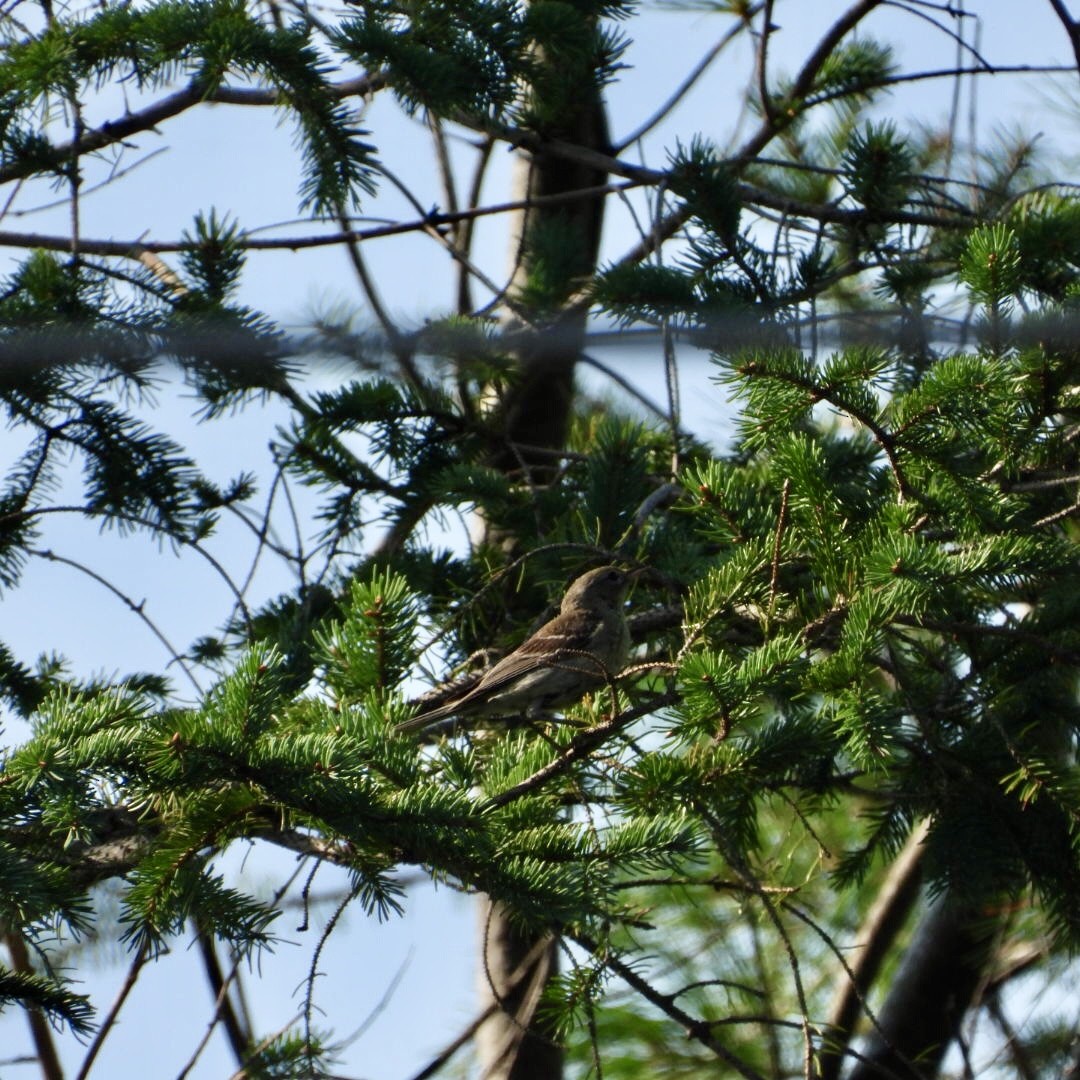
(586,644)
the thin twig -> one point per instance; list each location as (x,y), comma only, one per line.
(778,539)
(768,109)
(467,225)
(137,608)
(44,1044)
(239,1039)
(109,1021)
(581,746)
(313,968)
(620,380)
(699,1030)
(522,971)
(688,82)
(205,1039)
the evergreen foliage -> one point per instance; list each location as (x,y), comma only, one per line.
(858,620)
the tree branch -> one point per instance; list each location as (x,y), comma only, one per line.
(39,1027)
(699,1030)
(943,967)
(579,748)
(876,936)
(112,132)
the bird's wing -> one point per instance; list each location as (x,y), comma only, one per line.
(547,648)
(507,671)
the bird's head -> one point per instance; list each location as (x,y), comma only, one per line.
(603,587)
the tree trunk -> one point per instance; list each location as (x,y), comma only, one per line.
(938,980)
(533,416)
(535,410)
(899,893)
(514,1043)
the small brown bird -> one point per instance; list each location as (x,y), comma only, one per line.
(586,644)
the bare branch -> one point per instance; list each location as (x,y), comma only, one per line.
(137,608)
(44,1044)
(699,1030)
(87,141)
(109,1022)
(688,83)
(876,936)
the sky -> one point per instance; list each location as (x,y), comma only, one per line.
(241,163)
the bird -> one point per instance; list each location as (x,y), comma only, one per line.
(581,648)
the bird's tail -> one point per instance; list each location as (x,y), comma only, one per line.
(432,716)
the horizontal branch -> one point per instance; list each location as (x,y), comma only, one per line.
(633,176)
(90,140)
(580,747)
(124,841)
(435,219)
(699,1030)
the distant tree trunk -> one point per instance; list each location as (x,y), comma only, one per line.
(515,968)
(898,896)
(939,977)
(514,1043)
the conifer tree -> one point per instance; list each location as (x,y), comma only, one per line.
(831,808)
